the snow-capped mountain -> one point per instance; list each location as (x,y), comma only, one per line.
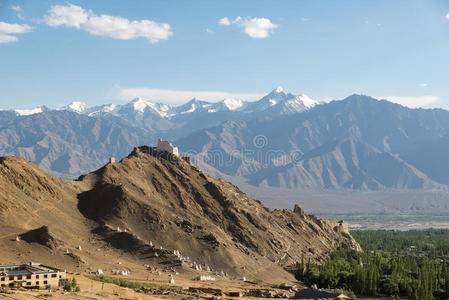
(280,102)
(193,106)
(276,102)
(275,97)
(337,145)
(233,104)
(139,106)
(102,109)
(32,111)
(200,106)
(76,106)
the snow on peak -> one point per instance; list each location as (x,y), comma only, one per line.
(77,106)
(279,89)
(162,109)
(272,102)
(139,104)
(191,109)
(232,104)
(307,101)
(98,110)
(27,112)
(109,108)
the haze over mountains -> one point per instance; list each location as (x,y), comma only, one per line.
(282,140)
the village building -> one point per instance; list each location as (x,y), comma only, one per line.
(31,275)
(167,146)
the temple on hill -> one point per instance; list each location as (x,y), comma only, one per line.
(162,146)
(167,146)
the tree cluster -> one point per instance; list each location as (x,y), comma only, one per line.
(387,268)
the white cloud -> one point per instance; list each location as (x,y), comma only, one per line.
(257,28)
(413,102)
(447,16)
(8,31)
(105,25)
(70,16)
(18,11)
(7,39)
(424,84)
(178,96)
(16,8)
(225,21)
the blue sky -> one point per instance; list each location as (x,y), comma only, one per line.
(56,52)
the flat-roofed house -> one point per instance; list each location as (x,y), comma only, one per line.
(31,275)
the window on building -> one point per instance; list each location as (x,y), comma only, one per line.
(54,275)
(19,277)
(37,276)
(28,283)
(45,281)
(45,276)
(3,285)
(37,282)
(29,276)
(11,277)
(3,279)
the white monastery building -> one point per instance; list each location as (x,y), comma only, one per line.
(167,146)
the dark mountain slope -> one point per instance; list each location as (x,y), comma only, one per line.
(69,143)
(255,139)
(347,163)
(272,144)
(432,158)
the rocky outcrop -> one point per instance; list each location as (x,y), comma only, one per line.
(41,236)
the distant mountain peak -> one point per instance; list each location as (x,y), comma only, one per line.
(276,102)
(278,92)
(27,112)
(139,104)
(307,101)
(279,89)
(77,106)
(233,104)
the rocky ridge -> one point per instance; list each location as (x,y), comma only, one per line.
(153,207)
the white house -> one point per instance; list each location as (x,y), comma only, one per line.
(167,146)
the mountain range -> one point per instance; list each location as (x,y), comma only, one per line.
(282,140)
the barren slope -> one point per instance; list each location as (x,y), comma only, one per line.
(163,199)
(159,198)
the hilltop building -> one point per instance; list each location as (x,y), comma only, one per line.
(167,146)
(162,146)
(31,275)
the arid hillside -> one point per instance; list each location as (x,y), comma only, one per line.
(157,210)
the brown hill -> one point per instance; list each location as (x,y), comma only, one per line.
(144,208)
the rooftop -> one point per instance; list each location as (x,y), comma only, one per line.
(25,269)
